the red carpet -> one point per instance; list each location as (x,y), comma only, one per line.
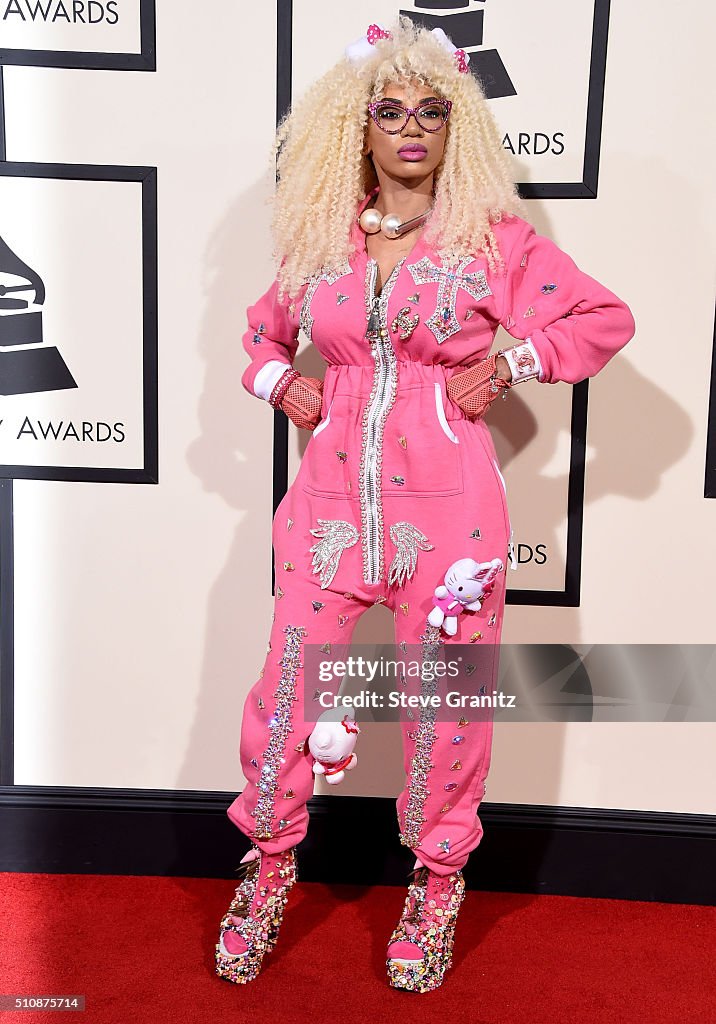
(141,949)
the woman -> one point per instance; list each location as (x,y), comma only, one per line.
(401,251)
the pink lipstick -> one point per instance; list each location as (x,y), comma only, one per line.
(412,151)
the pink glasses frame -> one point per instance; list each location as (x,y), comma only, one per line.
(445,104)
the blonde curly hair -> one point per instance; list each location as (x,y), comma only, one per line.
(323,174)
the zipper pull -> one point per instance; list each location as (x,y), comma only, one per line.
(373,328)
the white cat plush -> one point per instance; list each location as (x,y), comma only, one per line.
(467,584)
(331,743)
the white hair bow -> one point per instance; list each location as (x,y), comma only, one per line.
(362,48)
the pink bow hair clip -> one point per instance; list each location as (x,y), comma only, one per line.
(362,48)
(462,59)
(375,32)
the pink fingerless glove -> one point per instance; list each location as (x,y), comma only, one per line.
(476,388)
(300,398)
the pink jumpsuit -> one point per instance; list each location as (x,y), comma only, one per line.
(395,485)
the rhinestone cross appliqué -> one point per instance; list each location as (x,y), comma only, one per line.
(443,322)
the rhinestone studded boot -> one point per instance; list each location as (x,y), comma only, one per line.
(420,948)
(249,928)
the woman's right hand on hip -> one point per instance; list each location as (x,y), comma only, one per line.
(302,402)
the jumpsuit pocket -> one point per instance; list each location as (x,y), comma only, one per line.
(442,418)
(324,423)
(502,479)
(330,462)
(421,451)
(488,449)
(510,552)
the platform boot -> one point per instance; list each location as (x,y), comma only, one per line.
(250,926)
(420,948)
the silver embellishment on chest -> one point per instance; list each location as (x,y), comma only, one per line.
(305,319)
(443,322)
(335,536)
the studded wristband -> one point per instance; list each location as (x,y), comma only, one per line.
(523,361)
(281,386)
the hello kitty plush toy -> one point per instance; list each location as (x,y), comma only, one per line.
(467,584)
(331,743)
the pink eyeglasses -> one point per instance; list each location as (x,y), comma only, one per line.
(393,117)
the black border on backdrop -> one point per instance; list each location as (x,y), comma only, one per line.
(7,636)
(710,469)
(7,590)
(145,60)
(147,176)
(567,851)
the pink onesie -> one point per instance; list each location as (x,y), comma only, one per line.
(395,485)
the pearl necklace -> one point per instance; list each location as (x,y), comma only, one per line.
(371,222)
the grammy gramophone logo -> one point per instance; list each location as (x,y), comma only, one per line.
(27,365)
(463,21)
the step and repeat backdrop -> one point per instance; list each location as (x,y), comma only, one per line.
(134,216)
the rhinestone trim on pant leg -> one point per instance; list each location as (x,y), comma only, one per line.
(280,726)
(424,741)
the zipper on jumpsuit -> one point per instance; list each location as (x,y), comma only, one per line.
(381,400)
